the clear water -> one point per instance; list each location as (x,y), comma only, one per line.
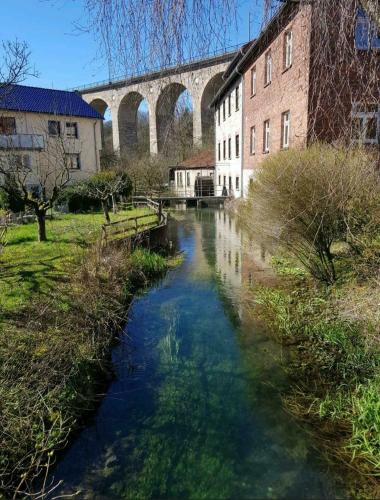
(195,411)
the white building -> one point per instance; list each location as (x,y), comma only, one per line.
(194,177)
(228,106)
(44,129)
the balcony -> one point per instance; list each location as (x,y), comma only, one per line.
(22,141)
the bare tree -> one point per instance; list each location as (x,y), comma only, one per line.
(36,181)
(105,185)
(15,64)
(139,34)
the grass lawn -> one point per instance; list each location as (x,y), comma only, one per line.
(28,267)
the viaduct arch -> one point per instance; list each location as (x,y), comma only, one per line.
(160,90)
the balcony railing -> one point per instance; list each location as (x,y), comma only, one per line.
(22,141)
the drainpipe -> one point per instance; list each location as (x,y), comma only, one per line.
(96,149)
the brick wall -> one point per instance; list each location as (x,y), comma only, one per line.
(288,90)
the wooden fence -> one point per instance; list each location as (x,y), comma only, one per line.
(131,226)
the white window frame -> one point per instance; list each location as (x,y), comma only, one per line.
(70,127)
(268,67)
(229,105)
(237,98)
(252,145)
(288,48)
(70,159)
(266,136)
(366,116)
(219,151)
(253,81)
(285,126)
(229,148)
(237,145)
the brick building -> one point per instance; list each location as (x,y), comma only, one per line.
(312,74)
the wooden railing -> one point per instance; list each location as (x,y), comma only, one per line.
(131,226)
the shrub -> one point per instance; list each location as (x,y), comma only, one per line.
(77,202)
(146,265)
(305,201)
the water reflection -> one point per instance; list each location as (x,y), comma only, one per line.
(200,414)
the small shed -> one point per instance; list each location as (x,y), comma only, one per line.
(194,177)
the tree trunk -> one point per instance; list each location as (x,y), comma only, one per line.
(106,211)
(41,221)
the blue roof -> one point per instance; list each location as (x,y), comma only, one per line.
(40,100)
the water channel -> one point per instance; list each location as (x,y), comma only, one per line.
(195,410)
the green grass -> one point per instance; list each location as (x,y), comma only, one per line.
(334,361)
(28,267)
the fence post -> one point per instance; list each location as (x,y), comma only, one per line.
(136,225)
(159,211)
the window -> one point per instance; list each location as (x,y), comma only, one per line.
(253,81)
(237,145)
(21,161)
(219,180)
(224,110)
(288,49)
(285,127)
(72,130)
(218,151)
(252,146)
(73,161)
(188,179)
(219,115)
(266,136)
(180,179)
(229,149)
(229,105)
(26,161)
(224,180)
(7,125)
(237,98)
(268,68)
(230,183)
(366,123)
(237,183)
(366,32)
(54,128)
(224,150)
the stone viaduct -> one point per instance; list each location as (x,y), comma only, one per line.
(160,89)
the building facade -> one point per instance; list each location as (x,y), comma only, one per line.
(276,90)
(47,132)
(313,74)
(228,141)
(194,177)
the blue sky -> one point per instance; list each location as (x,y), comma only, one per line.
(65,57)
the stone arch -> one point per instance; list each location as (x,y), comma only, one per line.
(165,112)
(207,114)
(128,121)
(101,106)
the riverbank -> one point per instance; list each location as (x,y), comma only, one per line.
(334,336)
(61,305)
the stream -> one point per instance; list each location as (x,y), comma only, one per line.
(195,410)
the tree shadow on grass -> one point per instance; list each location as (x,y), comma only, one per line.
(44,271)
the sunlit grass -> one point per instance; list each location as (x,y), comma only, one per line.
(29,267)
